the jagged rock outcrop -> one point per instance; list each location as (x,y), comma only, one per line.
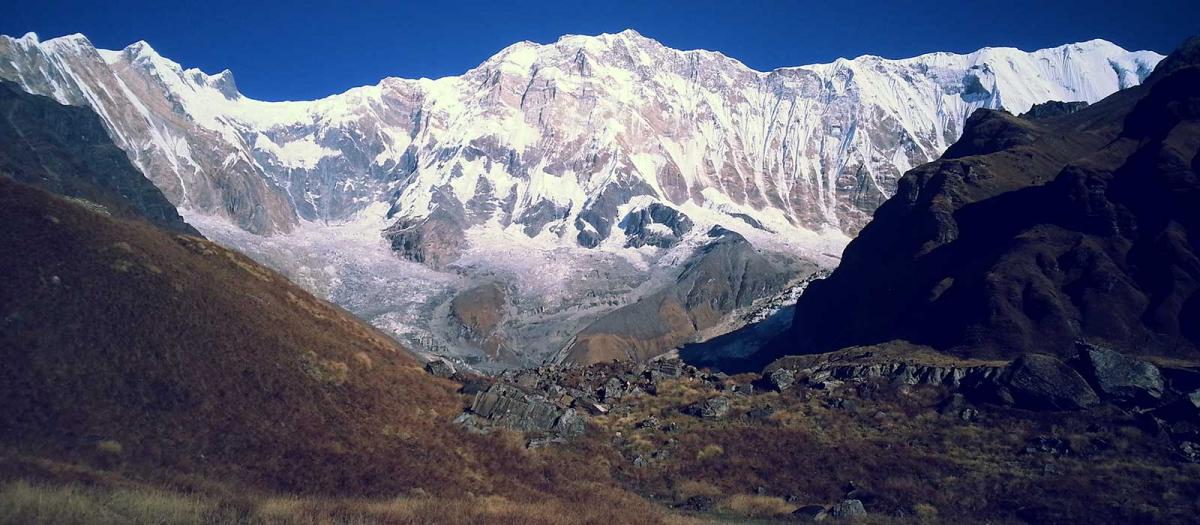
(537,126)
(655,225)
(1041,382)
(1029,235)
(1120,378)
(1053,108)
(545,150)
(66,150)
(725,274)
(509,407)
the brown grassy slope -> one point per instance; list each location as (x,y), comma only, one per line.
(907,461)
(164,356)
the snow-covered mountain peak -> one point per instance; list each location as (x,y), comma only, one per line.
(29,39)
(611,152)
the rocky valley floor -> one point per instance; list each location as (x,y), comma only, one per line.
(887,434)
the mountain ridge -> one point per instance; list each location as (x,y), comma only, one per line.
(1031,234)
(551,148)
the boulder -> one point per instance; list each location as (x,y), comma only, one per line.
(808,513)
(713,408)
(613,389)
(440,367)
(1041,382)
(570,423)
(507,406)
(848,509)
(781,379)
(1121,379)
(699,503)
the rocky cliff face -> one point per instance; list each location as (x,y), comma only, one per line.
(560,134)
(582,175)
(724,276)
(1028,235)
(66,150)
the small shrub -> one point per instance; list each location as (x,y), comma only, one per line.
(709,451)
(925,512)
(110,447)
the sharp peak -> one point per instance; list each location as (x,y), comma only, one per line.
(140,47)
(73,38)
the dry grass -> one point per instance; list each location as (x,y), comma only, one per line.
(910,463)
(190,365)
(757,506)
(22,503)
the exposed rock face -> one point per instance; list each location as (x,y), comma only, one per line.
(548,123)
(1027,236)
(712,408)
(848,509)
(655,225)
(724,275)
(66,150)
(159,114)
(781,379)
(1041,382)
(1120,378)
(1052,109)
(480,311)
(509,407)
(440,367)
(548,148)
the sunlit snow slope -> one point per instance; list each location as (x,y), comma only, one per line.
(580,174)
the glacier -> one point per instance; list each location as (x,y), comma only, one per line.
(390,199)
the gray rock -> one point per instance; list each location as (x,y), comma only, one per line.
(509,407)
(613,389)
(1190,451)
(649,423)
(712,408)
(808,513)
(440,367)
(1041,382)
(850,508)
(570,423)
(543,442)
(698,503)
(1122,379)
(781,379)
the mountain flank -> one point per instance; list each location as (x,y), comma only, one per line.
(1028,235)
(67,150)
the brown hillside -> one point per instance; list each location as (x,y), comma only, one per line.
(157,355)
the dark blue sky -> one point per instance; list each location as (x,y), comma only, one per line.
(300,50)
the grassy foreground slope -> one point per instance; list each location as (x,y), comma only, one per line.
(131,357)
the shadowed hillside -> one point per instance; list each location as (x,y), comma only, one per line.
(65,150)
(1030,234)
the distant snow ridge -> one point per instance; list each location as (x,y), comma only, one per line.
(583,178)
(553,138)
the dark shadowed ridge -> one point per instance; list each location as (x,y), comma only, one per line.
(1027,235)
(66,150)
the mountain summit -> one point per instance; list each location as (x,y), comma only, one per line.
(552,153)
